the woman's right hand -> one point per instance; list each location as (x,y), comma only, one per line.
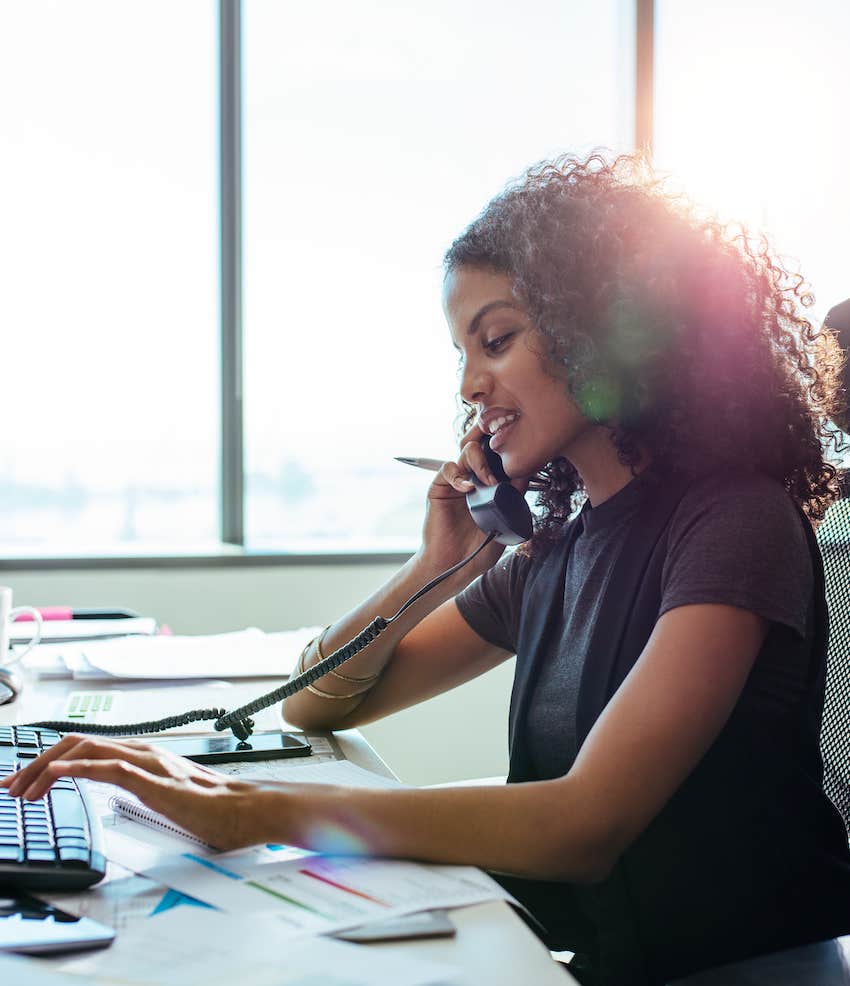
(449,532)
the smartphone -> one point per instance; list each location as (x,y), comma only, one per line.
(34,926)
(227,748)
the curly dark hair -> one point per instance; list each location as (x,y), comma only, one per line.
(685,334)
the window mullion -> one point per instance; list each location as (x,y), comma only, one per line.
(230,201)
(644,73)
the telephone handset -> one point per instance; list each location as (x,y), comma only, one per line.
(500,508)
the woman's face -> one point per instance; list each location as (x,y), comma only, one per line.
(528,412)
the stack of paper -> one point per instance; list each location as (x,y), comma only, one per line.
(249,653)
(65,630)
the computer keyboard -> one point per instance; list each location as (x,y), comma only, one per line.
(55,843)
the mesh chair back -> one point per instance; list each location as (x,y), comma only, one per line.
(833,537)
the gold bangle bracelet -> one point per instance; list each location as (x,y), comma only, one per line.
(299,669)
(342,677)
(321,694)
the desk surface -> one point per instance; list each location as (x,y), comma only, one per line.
(492,944)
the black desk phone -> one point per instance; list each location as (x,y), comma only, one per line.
(500,511)
(500,508)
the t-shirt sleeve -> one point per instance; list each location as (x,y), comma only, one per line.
(491,604)
(740,544)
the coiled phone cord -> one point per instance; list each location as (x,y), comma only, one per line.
(239,719)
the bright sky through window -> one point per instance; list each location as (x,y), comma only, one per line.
(372,137)
(109,250)
(751,118)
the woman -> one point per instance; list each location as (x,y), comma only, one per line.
(665,810)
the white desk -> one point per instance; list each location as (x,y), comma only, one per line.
(492,945)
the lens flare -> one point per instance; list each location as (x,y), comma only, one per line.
(335,840)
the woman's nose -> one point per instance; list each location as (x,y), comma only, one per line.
(475,383)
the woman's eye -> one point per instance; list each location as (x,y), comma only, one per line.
(496,345)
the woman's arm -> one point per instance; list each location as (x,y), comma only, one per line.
(655,730)
(401,667)
(427,651)
(652,734)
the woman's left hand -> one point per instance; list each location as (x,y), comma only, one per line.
(225,813)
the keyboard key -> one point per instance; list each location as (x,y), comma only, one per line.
(71,855)
(40,855)
(74,830)
(67,809)
(10,854)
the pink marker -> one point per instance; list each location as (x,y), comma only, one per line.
(69,613)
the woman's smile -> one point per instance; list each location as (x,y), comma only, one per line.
(497,422)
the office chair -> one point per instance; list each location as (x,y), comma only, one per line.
(833,537)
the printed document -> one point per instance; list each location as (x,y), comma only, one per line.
(314,894)
(167,950)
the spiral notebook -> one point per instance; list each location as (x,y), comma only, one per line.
(131,808)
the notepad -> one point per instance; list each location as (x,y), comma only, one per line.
(332,772)
(129,807)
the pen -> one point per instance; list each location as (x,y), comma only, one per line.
(433,465)
(536,484)
(69,613)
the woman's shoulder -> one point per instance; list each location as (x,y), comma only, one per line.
(741,515)
(508,575)
(740,495)
(740,539)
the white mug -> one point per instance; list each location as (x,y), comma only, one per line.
(7,615)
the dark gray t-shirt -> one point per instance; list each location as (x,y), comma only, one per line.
(738,542)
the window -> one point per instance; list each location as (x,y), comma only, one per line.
(373,133)
(109,253)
